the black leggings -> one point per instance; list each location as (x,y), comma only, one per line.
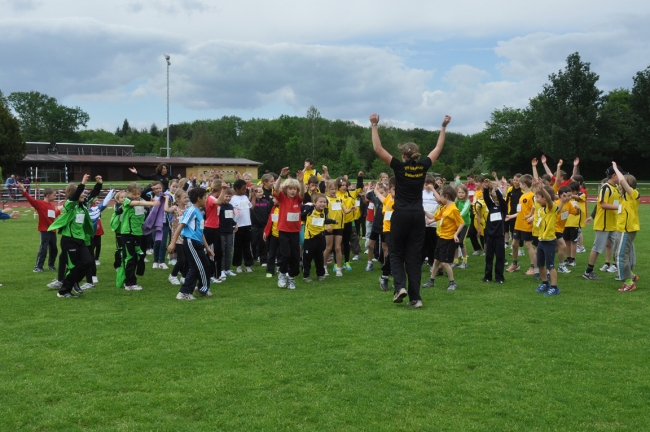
(213,238)
(181,266)
(97,242)
(78,262)
(347,236)
(274,253)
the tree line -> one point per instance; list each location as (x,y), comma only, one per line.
(570,117)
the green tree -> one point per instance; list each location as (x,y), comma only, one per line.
(42,118)
(508,140)
(3,101)
(447,173)
(12,146)
(566,112)
(640,105)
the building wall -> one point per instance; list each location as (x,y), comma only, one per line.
(229,170)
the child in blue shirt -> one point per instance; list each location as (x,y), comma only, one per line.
(191,225)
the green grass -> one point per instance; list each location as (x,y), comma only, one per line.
(337,355)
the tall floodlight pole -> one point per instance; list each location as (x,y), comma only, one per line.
(168,64)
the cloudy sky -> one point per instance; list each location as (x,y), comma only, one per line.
(410,61)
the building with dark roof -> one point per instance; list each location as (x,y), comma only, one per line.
(112,162)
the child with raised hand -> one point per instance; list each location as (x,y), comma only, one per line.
(133,216)
(242,241)
(194,247)
(523,234)
(627,225)
(387,202)
(494,233)
(176,210)
(289,198)
(450,225)
(376,228)
(573,224)
(76,231)
(212,230)
(116,223)
(47,213)
(349,199)
(566,208)
(95,211)
(546,221)
(334,239)
(465,207)
(316,221)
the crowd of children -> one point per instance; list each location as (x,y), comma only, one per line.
(298,224)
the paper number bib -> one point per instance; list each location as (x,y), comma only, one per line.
(228,214)
(495,217)
(564,216)
(317,221)
(293,217)
(138,210)
(388,215)
(274,217)
(51,214)
(336,206)
(79,218)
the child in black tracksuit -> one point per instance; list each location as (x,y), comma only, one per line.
(262,205)
(495,234)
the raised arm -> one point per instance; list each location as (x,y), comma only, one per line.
(534,164)
(547,170)
(558,176)
(576,167)
(376,143)
(441,140)
(621,179)
(282,176)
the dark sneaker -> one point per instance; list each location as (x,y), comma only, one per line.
(399,296)
(500,281)
(77,289)
(590,276)
(52,268)
(552,291)
(383,283)
(429,283)
(321,278)
(536,276)
(38,270)
(307,279)
(411,303)
(542,288)
(486,280)
(370,266)
(453,286)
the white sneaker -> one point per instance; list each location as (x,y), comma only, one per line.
(282,280)
(231,273)
(163,266)
(521,253)
(249,270)
(182,279)
(133,288)
(239,270)
(339,272)
(215,280)
(326,272)
(55,284)
(97,263)
(612,269)
(563,269)
(155,265)
(223,275)
(95,280)
(149,251)
(355,258)
(181,296)
(146,260)
(173,261)
(173,280)
(605,267)
(87,286)
(292,284)
(581,249)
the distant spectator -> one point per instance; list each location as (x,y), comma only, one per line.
(11,186)
(162,175)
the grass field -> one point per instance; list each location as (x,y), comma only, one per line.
(337,355)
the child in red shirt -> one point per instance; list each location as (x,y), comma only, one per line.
(47,212)
(290,200)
